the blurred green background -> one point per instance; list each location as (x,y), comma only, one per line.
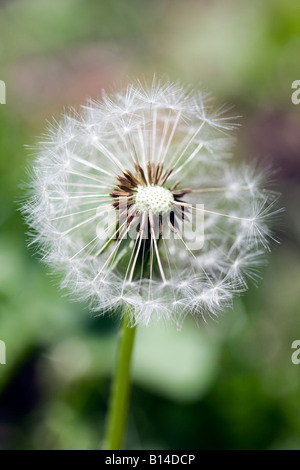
(229,384)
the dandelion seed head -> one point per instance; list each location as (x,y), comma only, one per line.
(136,202)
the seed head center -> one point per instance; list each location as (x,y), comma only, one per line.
(155,198)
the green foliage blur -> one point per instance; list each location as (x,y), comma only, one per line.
(229,384)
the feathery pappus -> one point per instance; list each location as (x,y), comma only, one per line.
(136,201)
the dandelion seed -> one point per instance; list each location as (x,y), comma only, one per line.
(156,161)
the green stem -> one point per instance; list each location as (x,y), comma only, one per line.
(119,399)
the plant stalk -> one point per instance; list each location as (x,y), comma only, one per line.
(120,392)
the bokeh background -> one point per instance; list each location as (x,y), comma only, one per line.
(225,385)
